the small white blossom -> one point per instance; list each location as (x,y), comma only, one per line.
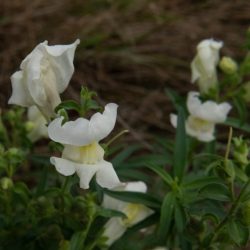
(38,124)
(116,226)
(82,153)
(203,117)
(204,64)
(44,74)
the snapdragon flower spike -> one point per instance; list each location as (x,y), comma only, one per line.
(117,226)
(44,74)
(82,153)
(204,64)
(203,117)
(38,124)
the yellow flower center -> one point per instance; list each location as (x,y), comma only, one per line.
(131,211)
(89,154)
(199,124)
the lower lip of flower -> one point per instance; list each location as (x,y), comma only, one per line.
(199,124)
(89,154)
(131,211)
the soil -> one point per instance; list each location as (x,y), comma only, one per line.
(130,51)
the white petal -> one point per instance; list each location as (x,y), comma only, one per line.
(111,203)
(82,131)
(202,134)
(113,230)
(20,94)
(40,129)
(209,110)
(63,166)
(173,120)
(204,64)
(86,173)
(61,59)
(106,175)
(194,70)
(101,125)
(135,186)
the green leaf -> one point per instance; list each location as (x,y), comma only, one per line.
(167,210)
(180,217)
(162,173)
(76,241)
(240,105)
(235,123)
(68,105)
(180,149)
(124,154)
(22,192)
(215,191)
(142,161)
(134,197)
(201,182)
(109,213)
(132,174)
(238,232)
(175,98)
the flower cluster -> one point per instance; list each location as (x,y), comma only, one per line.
(45,73)
(204,115)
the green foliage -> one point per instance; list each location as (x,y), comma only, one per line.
(198,192)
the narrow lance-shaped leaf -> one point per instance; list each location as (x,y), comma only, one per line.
(167,210)
(134,197)
(180,147)
(162,173)
(235,123)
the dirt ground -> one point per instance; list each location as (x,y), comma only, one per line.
(130,49)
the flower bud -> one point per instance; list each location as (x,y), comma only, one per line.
(6,183)
(228,65)
(241,150)
(14,152)
(29,126)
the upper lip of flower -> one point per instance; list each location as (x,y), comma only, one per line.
(209,110)
(82,131)
(44,74)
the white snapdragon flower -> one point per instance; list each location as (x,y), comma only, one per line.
(204,64)
(44,74)
(203,117)
(116,226)
(82,153)
(37,123)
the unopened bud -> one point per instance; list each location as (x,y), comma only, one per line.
(6,183)
(14,152)
(228,65)
(29,126)
(241,150)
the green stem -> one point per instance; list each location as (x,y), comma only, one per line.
(91,218)
(42,183)
(66,182)
(116,137)
(231,213)
(228,144)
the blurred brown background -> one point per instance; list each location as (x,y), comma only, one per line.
(130,49)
